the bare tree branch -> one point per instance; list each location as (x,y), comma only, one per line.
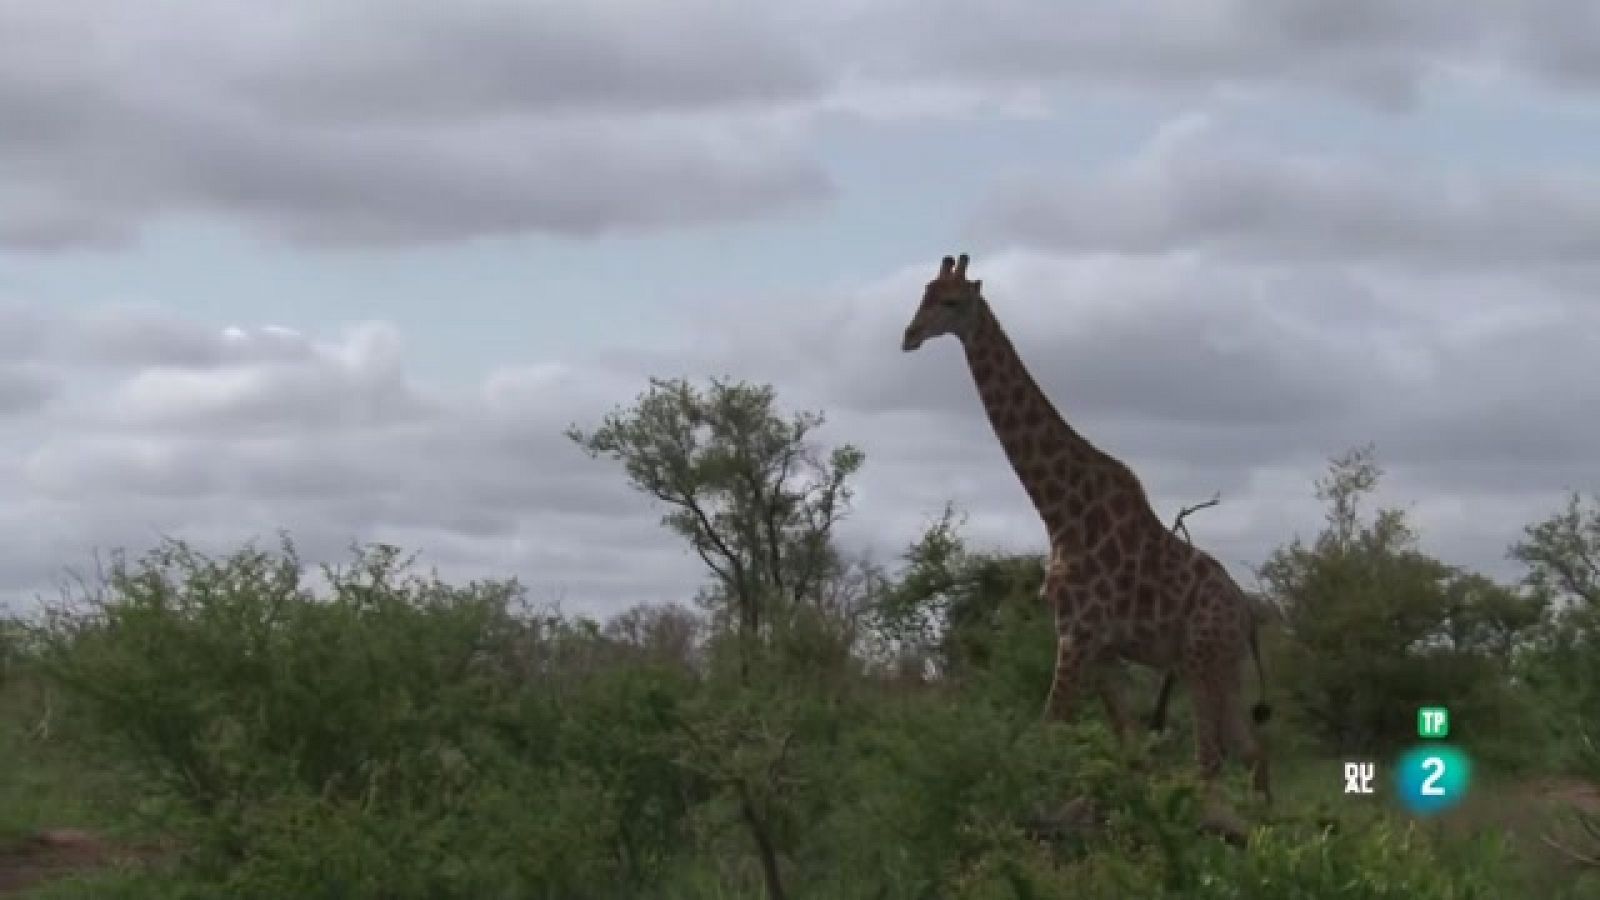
(692,504)
(1568,852)
(1177,524)
(773,503)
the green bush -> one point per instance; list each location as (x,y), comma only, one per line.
(1376,628)
(386,739)
(550,836)
(1379,862)
(392,736)
(229,681)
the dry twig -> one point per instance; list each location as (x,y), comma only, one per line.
(1177,523)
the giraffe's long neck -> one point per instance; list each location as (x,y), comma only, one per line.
(1049,457)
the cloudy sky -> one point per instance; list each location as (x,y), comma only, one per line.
(349,268)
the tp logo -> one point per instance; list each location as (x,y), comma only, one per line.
(1433,722)
(1433,777)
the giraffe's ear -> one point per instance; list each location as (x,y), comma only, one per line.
(977,286)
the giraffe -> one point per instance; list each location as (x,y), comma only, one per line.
(1158,716)
(1122,585)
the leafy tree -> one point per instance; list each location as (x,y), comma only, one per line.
(660,634)
(1562,554)
(1484,616)
(909,612)
(1377,628)
(743,484)
(758,501)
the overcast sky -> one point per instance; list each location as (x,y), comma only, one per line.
(348,268)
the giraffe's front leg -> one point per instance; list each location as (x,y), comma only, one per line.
(1110,688)
(1071,658)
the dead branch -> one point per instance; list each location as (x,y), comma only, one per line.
(1568,852)
(1177,524)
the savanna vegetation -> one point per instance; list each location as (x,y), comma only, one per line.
(811,725)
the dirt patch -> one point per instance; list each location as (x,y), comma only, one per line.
(59,852)
(1561,840)
(1568,793)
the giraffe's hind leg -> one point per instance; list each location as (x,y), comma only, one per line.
(1211,736)
(1245,743)
(1209,732)
(1222,729)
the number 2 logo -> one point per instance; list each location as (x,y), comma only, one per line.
(1435,766)
(1432,778)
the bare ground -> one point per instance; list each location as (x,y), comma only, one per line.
(59,852)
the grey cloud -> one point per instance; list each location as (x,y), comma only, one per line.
(1193,190)
(1168,340)
(1381,53)
(357,385)
(480,482)
(259,399)
(358,123)
(23,390)
(56,228)
(1528,395)
(483,484)
(578,178)
(1211,374)
(488,58)
(1558,39)
(120,337)
(126,336)
(196,113)
(22,329)
(115,470)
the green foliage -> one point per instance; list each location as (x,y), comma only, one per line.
(229,681)
(378,734)
(977,618)
(743,484)
(1562,664)
(1562,554)
(13,649)
(1386,861)
(937,797)
(1377,628)
(1562,669)
(534,756)
(909,612)
(547,836)
(383,739)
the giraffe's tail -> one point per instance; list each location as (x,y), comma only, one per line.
(1261,712)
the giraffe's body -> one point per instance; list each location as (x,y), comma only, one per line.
(1123,586)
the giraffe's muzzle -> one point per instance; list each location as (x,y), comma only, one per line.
(910,342)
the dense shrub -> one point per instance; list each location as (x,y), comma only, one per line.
(1376,628)
(372,733)
(383,738)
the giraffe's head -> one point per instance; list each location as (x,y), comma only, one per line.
(950,305)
